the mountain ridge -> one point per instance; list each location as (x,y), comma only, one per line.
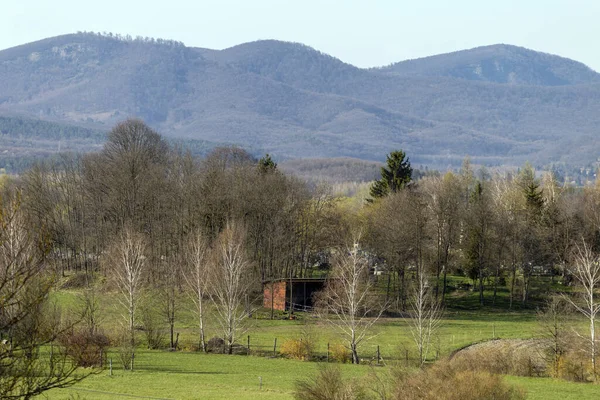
(294,101)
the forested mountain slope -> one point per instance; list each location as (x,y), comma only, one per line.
(295,102)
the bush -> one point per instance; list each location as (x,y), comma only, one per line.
(215,345)
(339,353)
(155,335)
(296,349)
(126,354)
(87,349)
(575,367)
(512,357)
(446,381)
(328,385)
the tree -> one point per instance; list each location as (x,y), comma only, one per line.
(266,164)
(230,281)
(394,176)
(585,268)
(533,235)
(397,232)
(426,315)
(348,301)
(128,261)
(553,323)
(196,278)
(27,367)
(478,241)
(169,294)
(443,203)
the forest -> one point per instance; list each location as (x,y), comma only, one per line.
(168,233)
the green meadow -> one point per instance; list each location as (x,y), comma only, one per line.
(188,374)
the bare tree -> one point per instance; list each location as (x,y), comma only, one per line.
(27,369)
(348,301)
(443,202)
(128,263)
(196,278)
(169,294)
(425,317)
(553,322)
(586,270)
(230,281)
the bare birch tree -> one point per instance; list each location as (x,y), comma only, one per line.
(425,317)
(586,270)
(128,264)
(348,301)
(196,278)
(230,281)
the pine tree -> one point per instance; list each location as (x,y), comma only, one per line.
(266,164)
(396,175)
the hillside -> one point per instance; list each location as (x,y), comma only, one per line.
(500,64)
(294,102)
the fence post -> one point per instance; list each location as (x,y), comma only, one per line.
(275,348)
(110,367)
(260,383)
(378,355)
(327,351)
(248,344)
(132,358)
(407,357)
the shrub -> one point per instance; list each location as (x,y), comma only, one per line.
(328,385)
(513,357)
(126,352)
(446,381)
(155,335)
(339,353)
(215,345)
(87,349)
(574,366)
(296,349)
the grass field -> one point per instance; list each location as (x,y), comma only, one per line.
(164,375)
(191,375)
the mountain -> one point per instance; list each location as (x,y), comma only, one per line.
(295,102)
(500,64)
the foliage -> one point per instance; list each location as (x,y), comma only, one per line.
(340,353)
(296,349)
(394,176)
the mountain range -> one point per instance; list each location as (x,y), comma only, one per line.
(499,104)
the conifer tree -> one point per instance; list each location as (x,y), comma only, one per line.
(394,176)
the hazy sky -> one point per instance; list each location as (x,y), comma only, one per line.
(363,33)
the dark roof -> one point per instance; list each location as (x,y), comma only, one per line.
(297,280)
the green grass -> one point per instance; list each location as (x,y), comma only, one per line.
(551,389)
(184,375)
(191,375)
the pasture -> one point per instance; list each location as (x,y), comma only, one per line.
(189,374)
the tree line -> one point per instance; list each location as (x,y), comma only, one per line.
(148,216)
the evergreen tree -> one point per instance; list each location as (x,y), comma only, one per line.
(266,164)
(394,176)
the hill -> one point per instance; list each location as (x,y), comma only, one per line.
(295,102)
(500,64)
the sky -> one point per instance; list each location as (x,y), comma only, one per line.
(363,33)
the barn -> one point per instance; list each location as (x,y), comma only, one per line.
(279,294)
